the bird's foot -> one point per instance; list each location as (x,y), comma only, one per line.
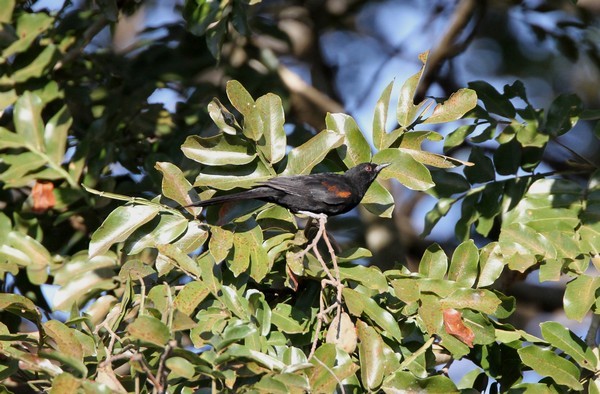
(321,217)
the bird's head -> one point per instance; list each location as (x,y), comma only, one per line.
(365,173)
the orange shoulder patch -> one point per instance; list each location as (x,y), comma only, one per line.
(335,190)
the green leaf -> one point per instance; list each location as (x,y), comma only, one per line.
(172,255)
(8,139)
(248,252)
(303,158)
(491,264)
(221,149)
(322,380)
(448,184)
(464,264)
(29,26)
(149,330)
(20,166)
(194,237)
(65,382)
(221,242)
(406,382)
(6,10)
(546,363)
(228,177)
(477,299)
(370,354)
(507,157)
(224,119)
(274,144)
(175,186)
(483,169)
(38,257)
(179,367)
(359,304)
(380,118)
(237,351)
(355,149)
(370,277)
(233,334)
(38,67)
(199,15)
(562,338)
(458,136)
(211,273)
(190,296)
(234,303)
(562,115)
(458,104)
(163,229)
(494,101)
(404,168)
(20,306)
(28,120)
(406,111)
(289,319)
(253,125)
(378,201)
(434,262)
(119,225)
(64,338)
(441,209)
(240,98)
(55,135)
(580,295)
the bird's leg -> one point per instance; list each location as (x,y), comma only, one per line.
(334,279)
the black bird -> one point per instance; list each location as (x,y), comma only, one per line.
(327,193)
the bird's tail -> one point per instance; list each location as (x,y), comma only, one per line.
(257,193)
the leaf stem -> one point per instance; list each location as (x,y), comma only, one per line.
(408,360)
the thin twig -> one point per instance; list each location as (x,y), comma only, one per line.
(332,374)
(313,348)
(162,372)
(416,354)
(333,280)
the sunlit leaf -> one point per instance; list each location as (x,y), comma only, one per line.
(356,149)
(221,149)
(303,158)
(458,104)
(270,109)
(119,225)
(404,168)
(546,363)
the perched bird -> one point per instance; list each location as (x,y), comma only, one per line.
(328,193)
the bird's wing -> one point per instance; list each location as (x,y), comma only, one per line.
(331,189)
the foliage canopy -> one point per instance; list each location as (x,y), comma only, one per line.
(228,298)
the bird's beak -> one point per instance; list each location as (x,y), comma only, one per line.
(381,166)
